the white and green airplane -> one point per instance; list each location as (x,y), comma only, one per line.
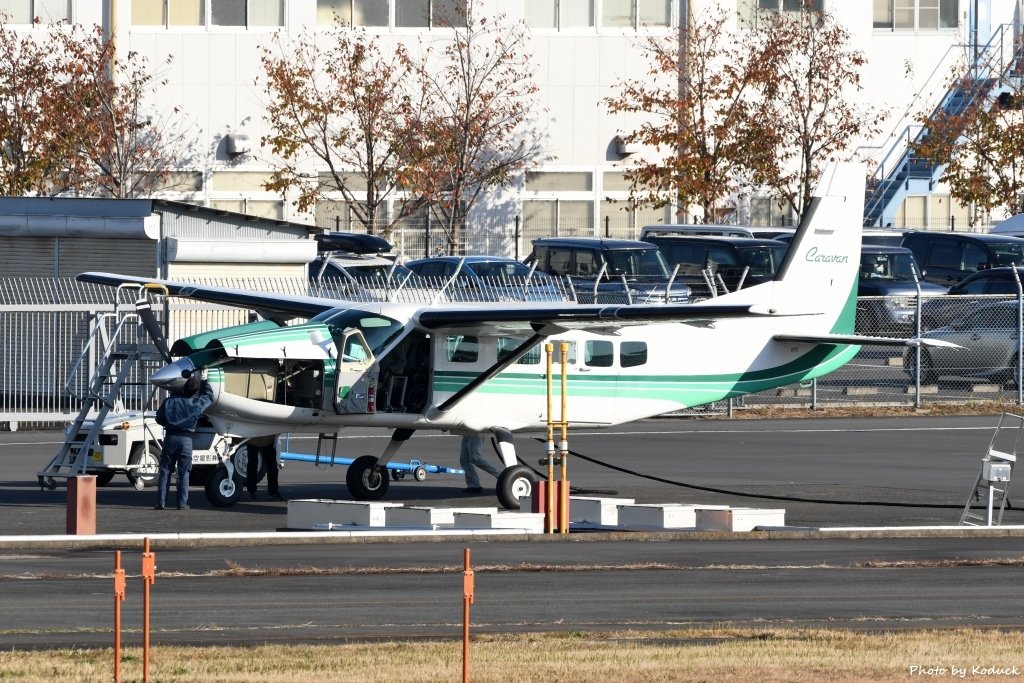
(478,368)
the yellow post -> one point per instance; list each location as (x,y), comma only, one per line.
(563,498)
(549,490)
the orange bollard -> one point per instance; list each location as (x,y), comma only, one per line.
(148,577)
(81,505)
(119,586)
(467,600)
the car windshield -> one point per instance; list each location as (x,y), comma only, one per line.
(1008,253)
(378,330)
(762,260)
(899,266)
(498,269)
(637,263)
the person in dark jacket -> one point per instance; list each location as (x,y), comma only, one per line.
(178,415)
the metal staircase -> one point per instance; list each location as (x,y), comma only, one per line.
(117,337)
(992,66)
(991,487)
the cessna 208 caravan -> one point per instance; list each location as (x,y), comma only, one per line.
(477,368)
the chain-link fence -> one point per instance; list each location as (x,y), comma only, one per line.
(53,333)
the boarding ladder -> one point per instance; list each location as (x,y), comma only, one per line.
(117,338)
(991,487)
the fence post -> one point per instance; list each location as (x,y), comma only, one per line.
(517,236)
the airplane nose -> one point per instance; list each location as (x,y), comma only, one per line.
(173,376)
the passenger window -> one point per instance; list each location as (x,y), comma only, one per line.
(587,263)
(598,354)
(558,261)
(632,354)
(506,345)
(718,256)
(975,258)
(556,357)
(944,255)
(462,349)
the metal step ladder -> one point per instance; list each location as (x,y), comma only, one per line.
(118,337)
(992,486)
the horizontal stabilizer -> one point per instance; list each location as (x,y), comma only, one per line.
(863,340)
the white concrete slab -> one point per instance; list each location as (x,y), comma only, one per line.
(307,513)
(532,522)
(739,519)
(661,516)
(426,517)
(596,511)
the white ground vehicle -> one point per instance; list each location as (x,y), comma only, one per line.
(130,442)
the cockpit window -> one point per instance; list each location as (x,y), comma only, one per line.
(378,330)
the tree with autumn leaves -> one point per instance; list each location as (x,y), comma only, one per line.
(75,117)
(732,112)
(439,131)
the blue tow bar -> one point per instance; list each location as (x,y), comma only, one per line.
(332,460)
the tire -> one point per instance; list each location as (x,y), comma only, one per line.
(221,490)
(104,477)
(419,474)
(148,475)
(240,459)
(515,484)
(367,481)
(928,373)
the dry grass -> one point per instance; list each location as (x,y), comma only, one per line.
(829,411)
(721,654)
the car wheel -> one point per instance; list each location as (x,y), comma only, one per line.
(928,373)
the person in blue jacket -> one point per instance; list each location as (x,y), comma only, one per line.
(178,415)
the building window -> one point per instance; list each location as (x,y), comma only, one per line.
(430,13)
(230,13)
(544,218)
(750,10)
(915,15)
(25,11)
(559,14)
(352,12)
(636,13)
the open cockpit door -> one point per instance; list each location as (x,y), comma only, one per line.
(356,385)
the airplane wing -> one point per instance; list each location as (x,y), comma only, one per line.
(864,341)
(270,304)
(554,318)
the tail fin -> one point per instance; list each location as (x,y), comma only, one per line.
(819,273)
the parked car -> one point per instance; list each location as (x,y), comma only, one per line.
(738,261)
(889,272)
(990,341)
(609,270)
(948,257)
(489,278)
(882,236)
(666,229)
(995,281)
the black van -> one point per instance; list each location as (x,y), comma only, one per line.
(630,271)
(948,257)
(738,261)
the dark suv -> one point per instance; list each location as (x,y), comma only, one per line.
(888,273)
(736,261)
(948,257)
(609,270)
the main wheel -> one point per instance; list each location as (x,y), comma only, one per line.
(104,477)
(240,459)
(366,480)
(146,465)
(514,485)
(221,490)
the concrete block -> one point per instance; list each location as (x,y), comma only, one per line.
(596,510)
(895,361)
(532,522)
(860,391)
(925,389)
(305,513)
(801,391)
(986,389)
(426,517)
(739,519)
(665,516)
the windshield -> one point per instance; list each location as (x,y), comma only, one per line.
(636,263)
(378,330)
(762,260)
(1008,253)
(378,270)
(887,266)
(499,268)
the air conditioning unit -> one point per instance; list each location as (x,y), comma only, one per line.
(236,143)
